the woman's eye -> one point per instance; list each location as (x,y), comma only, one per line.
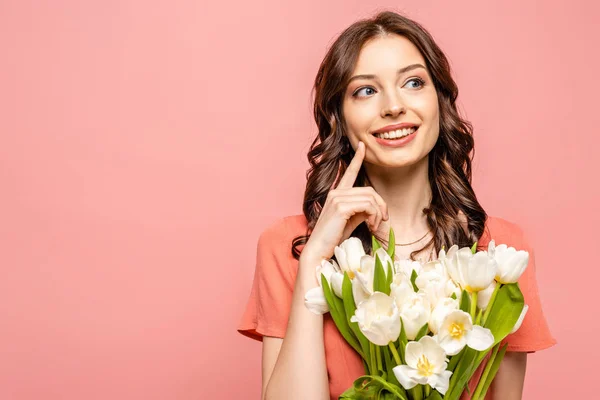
(361,89)
(420,82)
(417,80)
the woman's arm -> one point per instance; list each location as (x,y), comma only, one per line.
(300,371)
(508,383)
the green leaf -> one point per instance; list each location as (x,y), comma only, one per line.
(369,387)
(493,370)
(462,373)
(413,279)
(474,248)
(338,314)
(350,309)
(390,276)
(422,332)
(380,278)
(455,359)
(402,342)
(465,302)
(453,296)
(435,395)
(505,311)
(375,244)
(385,395)
(380,366)
(389,366)
(391,250)
(361,389)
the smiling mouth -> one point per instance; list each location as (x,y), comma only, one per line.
(397,134)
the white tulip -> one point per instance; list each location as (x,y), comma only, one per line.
(426,364)
(435,282)
(439,313)
(429,274)
(401,286)
(314,299)
(348,255)
(521,318)
(378,319)
(457,331)
(414,308)
(511,263)
(484,296)
(362,283)
(473,272)
(364,275)
(336,282)
(407,266)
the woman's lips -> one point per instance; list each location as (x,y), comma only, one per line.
(397,142)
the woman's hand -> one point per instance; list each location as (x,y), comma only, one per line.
(345,208)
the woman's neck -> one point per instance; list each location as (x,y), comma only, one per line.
(406,192)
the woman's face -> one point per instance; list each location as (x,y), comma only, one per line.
(390,97)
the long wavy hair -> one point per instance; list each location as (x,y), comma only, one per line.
(449,161)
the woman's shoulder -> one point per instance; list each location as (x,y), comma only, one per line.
(282,231)
(289,225)
(503,230)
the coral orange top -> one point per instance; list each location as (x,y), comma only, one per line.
(268,306)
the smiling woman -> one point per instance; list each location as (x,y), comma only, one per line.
(392,151)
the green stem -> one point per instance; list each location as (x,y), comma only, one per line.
(417,392)
(490,304)
(454,360)
(427,391)
(473,305)
(378,357)
(395,353)
(454,377)
(485,373)
(478,318)
(373,366)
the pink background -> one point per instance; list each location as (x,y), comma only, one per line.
(144,145)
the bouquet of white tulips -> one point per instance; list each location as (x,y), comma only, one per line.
(422,330)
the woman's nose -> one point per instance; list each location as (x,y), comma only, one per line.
(393,106)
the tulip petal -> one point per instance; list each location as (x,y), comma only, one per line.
(480,338)
(521,318)
(440,382)
(315,301)
(413,352)
(434,353)
(336,282)
(354,250)
(340,256)
(402,374)
(452,346)
(416,376)
(484,296)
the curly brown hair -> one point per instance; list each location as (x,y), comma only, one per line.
(454,204)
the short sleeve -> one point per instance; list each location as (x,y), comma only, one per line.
(534,334)
(268,307)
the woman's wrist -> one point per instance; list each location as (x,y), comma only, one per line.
(307,267)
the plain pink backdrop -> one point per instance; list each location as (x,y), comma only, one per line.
(144,145)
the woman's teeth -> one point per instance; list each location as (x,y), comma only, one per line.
(400,133)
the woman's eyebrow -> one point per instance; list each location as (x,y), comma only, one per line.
(400,71)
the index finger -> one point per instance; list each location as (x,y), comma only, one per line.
(349,177)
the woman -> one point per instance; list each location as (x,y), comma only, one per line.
(392,151)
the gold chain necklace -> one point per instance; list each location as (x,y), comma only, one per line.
(430,258)
(403,244)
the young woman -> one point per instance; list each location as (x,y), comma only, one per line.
(392,151)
